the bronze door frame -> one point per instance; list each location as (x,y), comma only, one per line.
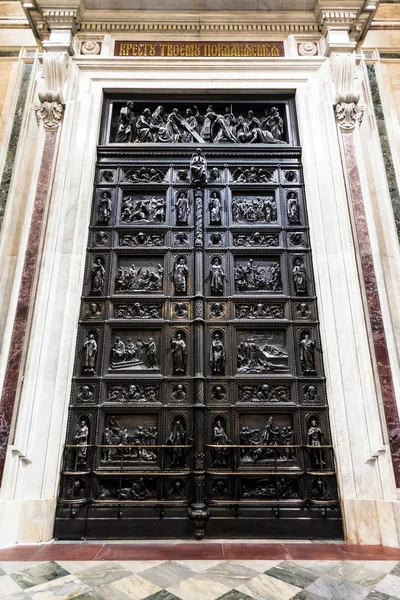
(220,480)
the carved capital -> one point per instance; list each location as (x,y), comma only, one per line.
(50,108)
(347,78)
(348,115)
(50,113)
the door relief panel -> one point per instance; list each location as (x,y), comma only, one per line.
(198,403)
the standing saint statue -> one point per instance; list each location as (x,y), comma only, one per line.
(81,440)
(220,455)
(215,206)
(198,169)
(126,124)
(293,208)
(307,357)
(299,275)
(217,355)
(217,276)
(98,276)
(314,439)
(105,208)
(177,437)
(89,353)
(182,206)
(179,275)
(179,354)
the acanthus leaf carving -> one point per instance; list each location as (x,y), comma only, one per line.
(50,108)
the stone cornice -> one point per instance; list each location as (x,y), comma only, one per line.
(353,16)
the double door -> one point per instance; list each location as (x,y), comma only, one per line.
(198,402)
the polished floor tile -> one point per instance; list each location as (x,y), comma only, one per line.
(38,574)
(337,589)
(167,574)
(264,587)
(390,585)
(8,586)
(134,587)
(200,587)
(63,588)
(293,573)
(102,573)
(201,580)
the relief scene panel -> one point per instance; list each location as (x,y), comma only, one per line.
(262,351)
(201,123)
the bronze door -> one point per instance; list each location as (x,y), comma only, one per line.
(198,401)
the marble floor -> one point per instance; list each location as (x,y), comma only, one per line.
(208,579)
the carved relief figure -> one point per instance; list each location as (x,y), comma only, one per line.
(180,273)
(218,392)
(253,357)
(107,176)
(137,310)
(215,238)
(81,440)
(104,210)
(303,310)
(144,175)
(141,239)
(215,207)
(98,276)
(179,392)
(259,311)
(93,311)
(132,393)
(139,353)
(198,169)
(101,238)
(297,239)
(215,175)
(89,354)
(254,210)
(311,393)
(299,275)
(251,277)
(220,489)
(319,490)
(147,209)
(126,124)
(219,455)
(107,441)
(217,276)
(293,208)
(290,176)
(86,393)
(181,238)
(264,393)
(275,438)
(182,206)
(130,279)
(177,437)
(307,353)
(177,489)
(210,127)
(179,354)
(252,175)
(274,123)
(315,439)
(217,355)
(217,309)
(256,239)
